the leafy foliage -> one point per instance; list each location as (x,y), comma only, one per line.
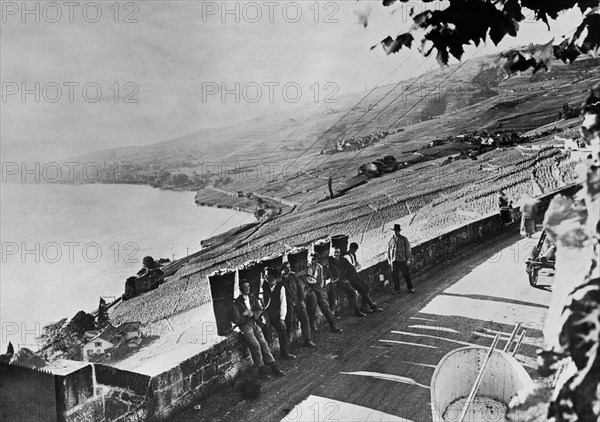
(391,45)
(26,357)
(103,318)
(179,179)
(10,351)
(61,336)
(471,22)
(52,335)
(80,323)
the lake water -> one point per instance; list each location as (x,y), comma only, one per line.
(64,246)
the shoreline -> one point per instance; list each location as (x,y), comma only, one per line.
(115,277)
(194,189)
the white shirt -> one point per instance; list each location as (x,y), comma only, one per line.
(247,301)
(351,258)
(283,301)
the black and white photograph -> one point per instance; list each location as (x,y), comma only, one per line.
(300,210)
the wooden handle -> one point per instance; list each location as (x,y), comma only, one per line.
(512,337)
(519,341)
(478,379)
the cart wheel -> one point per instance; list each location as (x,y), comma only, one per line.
(533,277)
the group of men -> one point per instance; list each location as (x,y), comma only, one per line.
(288,297)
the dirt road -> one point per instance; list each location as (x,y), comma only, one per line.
(380,367)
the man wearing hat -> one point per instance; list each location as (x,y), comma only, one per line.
(399,256)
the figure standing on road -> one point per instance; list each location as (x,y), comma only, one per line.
(277,309)
(504,207)
(341,270)
(528,208)
(247,312)
(367,304)
(296,294)
(316,295)
(399,256)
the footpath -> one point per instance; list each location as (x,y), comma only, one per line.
(380,367)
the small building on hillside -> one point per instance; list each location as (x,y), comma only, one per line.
(98,345)
(112,341)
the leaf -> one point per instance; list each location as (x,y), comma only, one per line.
(512,9)
(592,40)
(588,4)
(545,55)
(391,45)
(471,22)
(545,9)
(457,51)
(566,51)
(516,62)
(502,26)
(442,57)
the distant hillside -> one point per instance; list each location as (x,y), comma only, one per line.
(280,154)
(430,195)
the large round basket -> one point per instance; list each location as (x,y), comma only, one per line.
(298,260)
(274,261)
(340,241)
(251,272)
(221,290)
(323,249)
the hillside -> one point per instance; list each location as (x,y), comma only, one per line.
(429,196)
(280,155)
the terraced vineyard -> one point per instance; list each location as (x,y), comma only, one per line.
(428,197)
(427,203)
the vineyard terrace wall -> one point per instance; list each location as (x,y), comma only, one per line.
(213,368)
(123,395)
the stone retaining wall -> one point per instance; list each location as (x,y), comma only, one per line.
(197,376)
(203,373)
(120,395)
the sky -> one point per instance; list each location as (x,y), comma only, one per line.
(84,76)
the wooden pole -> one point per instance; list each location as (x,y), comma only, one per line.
(512,336)
(478,379)
(519,341)
(562,367)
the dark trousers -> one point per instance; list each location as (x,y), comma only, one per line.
(281,333)
(332,297)
(316,297)
(362,288)
(259,348)
(298,314)
(401,267)
(505,215)
(344,285)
